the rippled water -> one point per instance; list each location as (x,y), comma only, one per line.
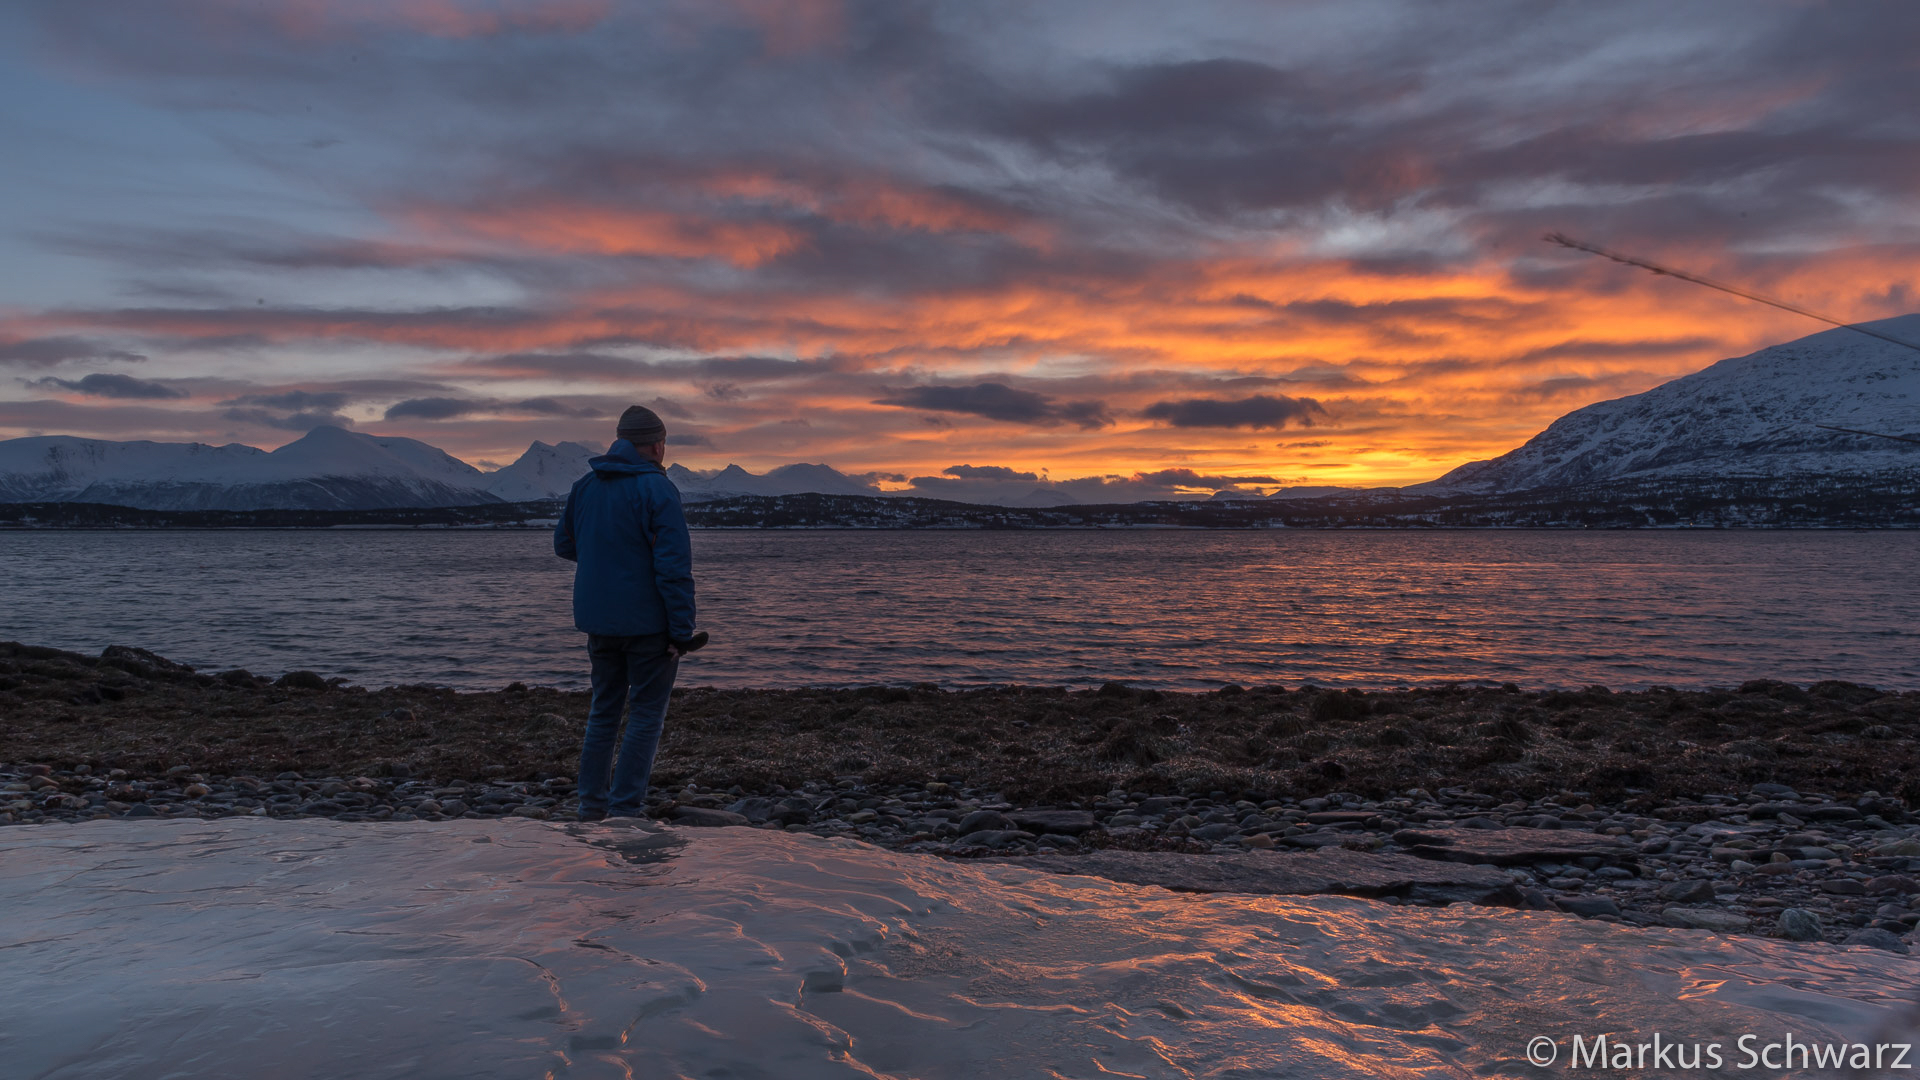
(479,949)
(1168,609)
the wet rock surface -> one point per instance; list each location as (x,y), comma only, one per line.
(1520,846)
(1331,870)
(1553,797)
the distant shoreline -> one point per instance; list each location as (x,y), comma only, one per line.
(1747,504)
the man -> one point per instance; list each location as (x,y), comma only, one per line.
(633,596)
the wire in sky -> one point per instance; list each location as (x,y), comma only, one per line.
(1569,242)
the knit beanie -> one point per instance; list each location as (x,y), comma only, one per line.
(640,426)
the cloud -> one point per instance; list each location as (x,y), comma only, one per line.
(546,406)
(998,401)
(328,400)
(48,351)
(1005,485)
(568,365)
(989,472)
(109,385)
(300,421)
(688,438)
(1258,411)
(1187,478)
(448,408)
(919,220)
(1587,387)
(356,22)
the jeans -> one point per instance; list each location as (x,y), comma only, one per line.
(633,675)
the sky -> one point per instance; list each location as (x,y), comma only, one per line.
(1183,246)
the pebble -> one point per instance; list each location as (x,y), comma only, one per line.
(1695,891)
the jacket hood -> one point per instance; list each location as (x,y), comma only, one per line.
(622,459)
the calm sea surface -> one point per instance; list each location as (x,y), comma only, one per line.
(1168,609)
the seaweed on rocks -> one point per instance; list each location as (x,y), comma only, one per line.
(134,710)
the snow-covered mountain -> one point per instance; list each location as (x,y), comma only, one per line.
(333,469)
(800,479)
(326,469)
(543,472)
(1756,416)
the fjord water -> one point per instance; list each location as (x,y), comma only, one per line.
(1176,610)
(513,948)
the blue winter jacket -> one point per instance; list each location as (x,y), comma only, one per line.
(624,527)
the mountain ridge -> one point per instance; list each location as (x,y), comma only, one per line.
(1765,414)
(326,469)
(1768,415)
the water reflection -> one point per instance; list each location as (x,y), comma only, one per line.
(1177,610)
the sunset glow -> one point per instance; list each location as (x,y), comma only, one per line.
(1268,244)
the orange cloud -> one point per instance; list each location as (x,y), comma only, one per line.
(868,201)
(1417,371)
(558,228)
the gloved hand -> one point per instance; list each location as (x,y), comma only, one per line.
(683,646)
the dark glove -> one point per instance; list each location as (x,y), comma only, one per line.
(683,646)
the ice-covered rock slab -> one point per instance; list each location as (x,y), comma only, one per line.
(1517,846)
(316,950)
(1328,870)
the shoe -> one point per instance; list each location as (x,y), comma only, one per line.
(592,815)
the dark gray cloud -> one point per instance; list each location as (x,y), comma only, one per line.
(1608,349)
(1587,387)
(1000,484)
(113,385)
(546,406)
(998,401)
(450,408)
(435,408)
(46,352)
(988,472)
(300,421)
(1258,411)
(1187,478)
(1394,107)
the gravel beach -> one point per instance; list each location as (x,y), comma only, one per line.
(1768,809)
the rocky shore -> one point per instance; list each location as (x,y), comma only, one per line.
(1769,809)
